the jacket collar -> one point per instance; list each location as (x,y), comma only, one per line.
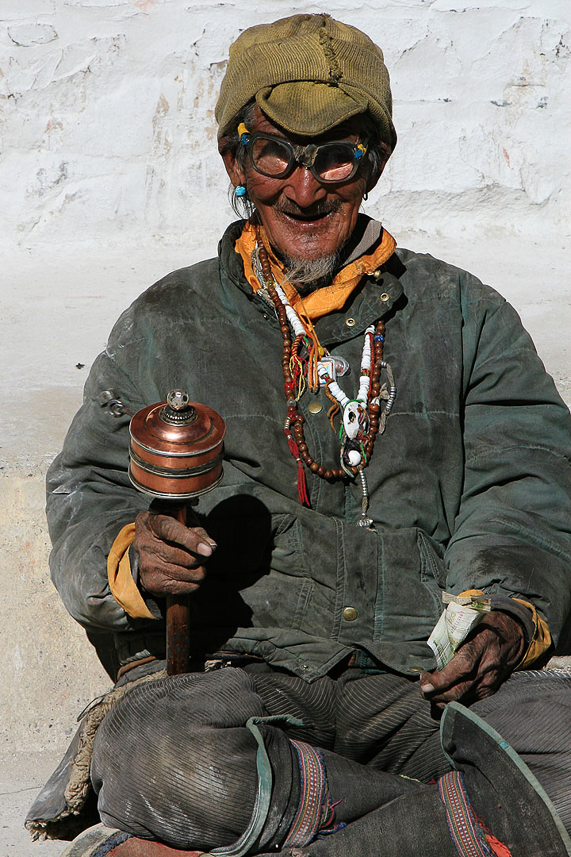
(372,299)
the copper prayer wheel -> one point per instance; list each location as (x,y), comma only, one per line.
(176,454)
(176,448)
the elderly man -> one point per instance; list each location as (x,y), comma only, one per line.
(391,434)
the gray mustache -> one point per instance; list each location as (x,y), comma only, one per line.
(318,210)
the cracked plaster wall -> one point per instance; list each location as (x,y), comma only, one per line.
(109,135)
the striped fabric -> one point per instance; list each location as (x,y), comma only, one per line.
(154,753)
(466,833)
(313,802)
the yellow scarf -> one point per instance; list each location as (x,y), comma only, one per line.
(321,301)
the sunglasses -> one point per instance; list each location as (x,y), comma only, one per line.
(274,157)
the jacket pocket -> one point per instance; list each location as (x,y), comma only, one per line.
(288,555)
(279,601)
(281,597)
(411,577)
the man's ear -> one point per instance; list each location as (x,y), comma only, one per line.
(233,168)
(374,177)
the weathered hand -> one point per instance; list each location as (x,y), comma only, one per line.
(485,660)
(171,555)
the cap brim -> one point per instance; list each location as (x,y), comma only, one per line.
(309,108)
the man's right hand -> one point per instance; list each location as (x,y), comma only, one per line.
(171,556)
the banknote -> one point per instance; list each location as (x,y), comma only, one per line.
(462,613)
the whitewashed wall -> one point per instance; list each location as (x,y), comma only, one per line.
(109,132)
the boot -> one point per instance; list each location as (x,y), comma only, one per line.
(489,805)
(505,796)
(102,841)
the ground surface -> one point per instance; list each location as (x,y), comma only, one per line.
(21,777)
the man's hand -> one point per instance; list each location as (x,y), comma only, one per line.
(485,660)
(171,556)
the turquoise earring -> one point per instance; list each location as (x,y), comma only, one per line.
(240,190)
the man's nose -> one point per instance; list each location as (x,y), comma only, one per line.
(303,188)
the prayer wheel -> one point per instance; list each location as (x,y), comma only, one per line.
(176,448)
(175,454)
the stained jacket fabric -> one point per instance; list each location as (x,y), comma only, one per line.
(470,484)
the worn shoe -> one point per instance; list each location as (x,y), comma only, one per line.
(489,805)
(492,790)
(102,841)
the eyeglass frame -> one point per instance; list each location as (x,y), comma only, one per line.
(303,156)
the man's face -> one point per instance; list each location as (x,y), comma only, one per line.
(304,219)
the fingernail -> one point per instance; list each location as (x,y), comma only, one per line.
(204,549)
(426,688)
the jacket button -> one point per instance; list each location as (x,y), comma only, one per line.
(384,297)
(350,322)
(349,614)
(315,408)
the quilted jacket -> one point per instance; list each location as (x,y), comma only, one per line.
(470,484)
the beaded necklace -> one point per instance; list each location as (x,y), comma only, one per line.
(361,420)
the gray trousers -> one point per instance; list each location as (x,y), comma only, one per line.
(174,762)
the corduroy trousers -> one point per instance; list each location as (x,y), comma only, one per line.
(174,760)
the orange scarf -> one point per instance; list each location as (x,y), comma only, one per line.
(321,301)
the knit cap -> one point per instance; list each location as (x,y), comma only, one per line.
(307,73)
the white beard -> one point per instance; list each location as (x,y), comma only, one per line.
(307,275)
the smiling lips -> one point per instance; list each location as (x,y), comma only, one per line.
(320,212)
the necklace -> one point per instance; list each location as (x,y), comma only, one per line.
(362,419)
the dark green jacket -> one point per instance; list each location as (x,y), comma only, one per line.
(470,485)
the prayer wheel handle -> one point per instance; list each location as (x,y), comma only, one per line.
(175,453)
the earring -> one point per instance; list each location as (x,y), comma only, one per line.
(240,190)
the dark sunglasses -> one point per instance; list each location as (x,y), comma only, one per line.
(274,157)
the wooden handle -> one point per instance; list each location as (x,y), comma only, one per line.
(178,610)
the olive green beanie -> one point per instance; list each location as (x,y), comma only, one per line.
(307,73)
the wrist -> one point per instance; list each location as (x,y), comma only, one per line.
(521,615)
(149,599)
(510,636)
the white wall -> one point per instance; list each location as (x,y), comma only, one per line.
(109,132)
(110,178)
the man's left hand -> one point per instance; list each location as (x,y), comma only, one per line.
(482,663)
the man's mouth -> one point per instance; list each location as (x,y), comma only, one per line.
(316,216)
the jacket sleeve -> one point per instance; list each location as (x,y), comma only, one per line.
(90,498)
(512,533)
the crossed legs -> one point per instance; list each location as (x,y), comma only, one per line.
(175,760)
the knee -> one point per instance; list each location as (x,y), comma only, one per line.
(174,760)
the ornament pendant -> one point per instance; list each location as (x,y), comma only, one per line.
(355,420)
(334,367)
(364,521)
(351,454)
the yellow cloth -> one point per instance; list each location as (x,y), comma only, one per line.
(123,587)
(321,301)
(541,640)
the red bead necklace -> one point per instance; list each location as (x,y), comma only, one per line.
(293,427)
